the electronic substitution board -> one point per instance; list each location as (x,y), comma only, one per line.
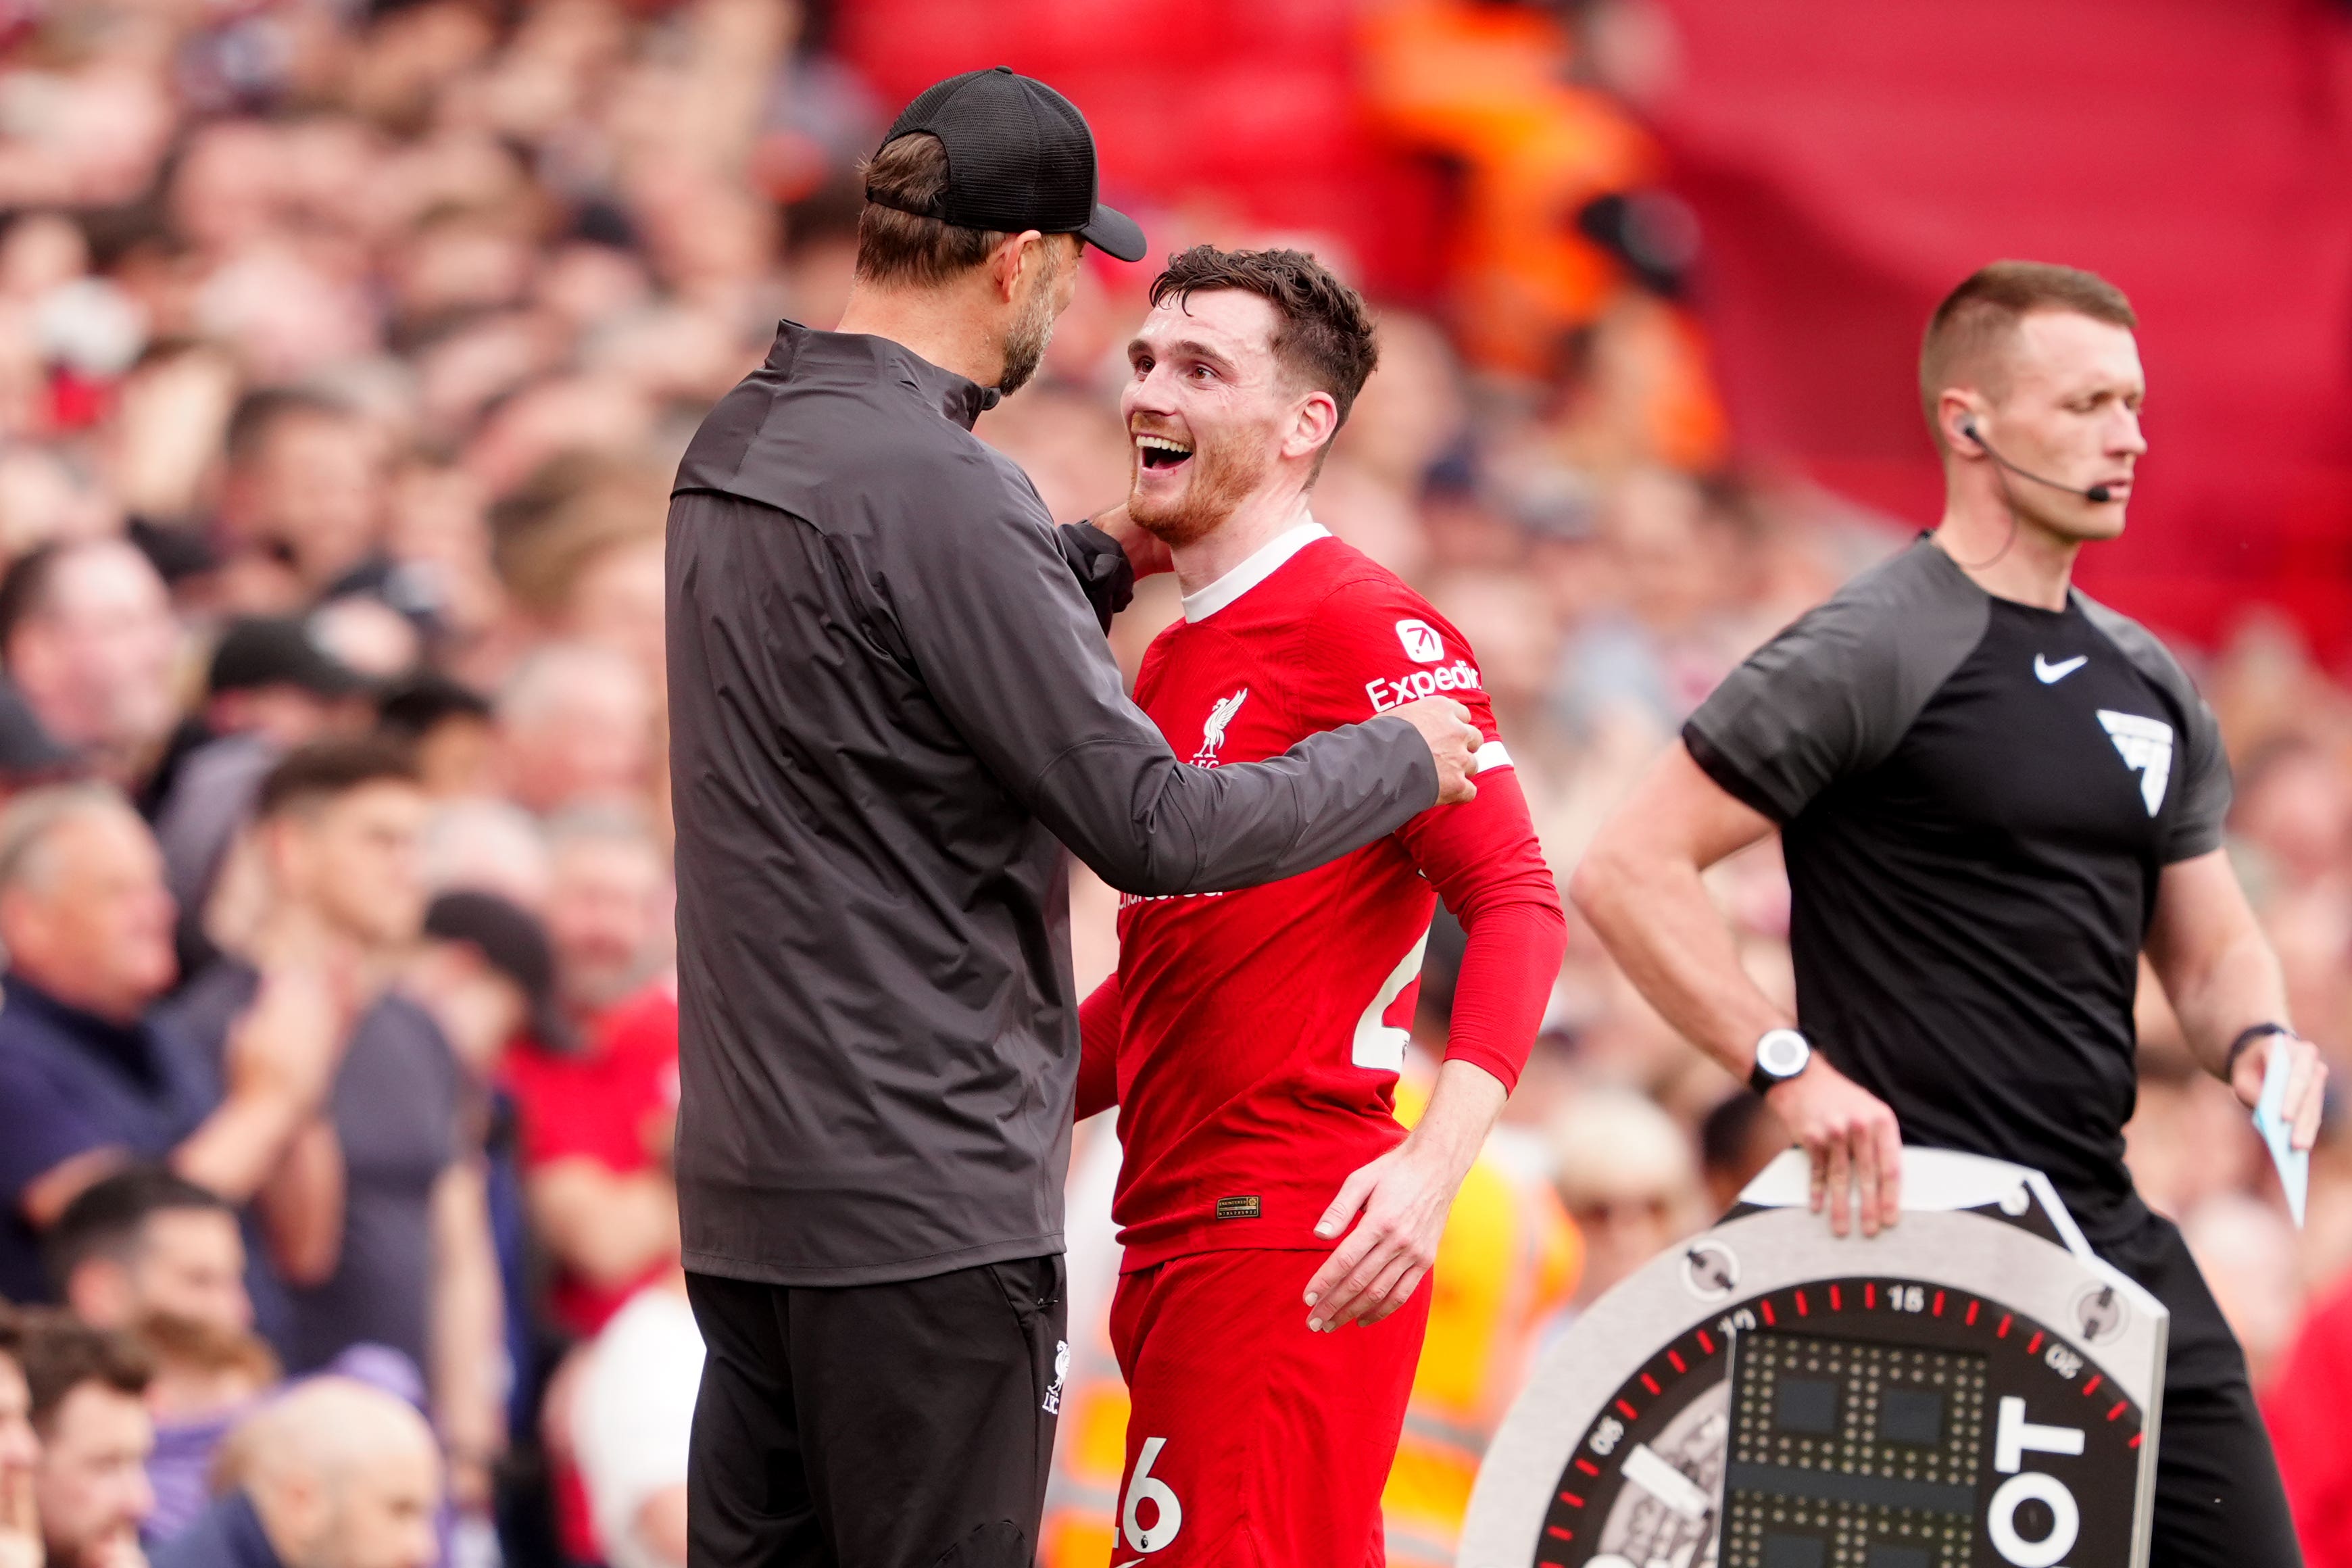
(1969,1389)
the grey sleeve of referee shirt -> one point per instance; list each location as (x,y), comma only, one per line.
(1834,693)
(2206,789)
(1009,647)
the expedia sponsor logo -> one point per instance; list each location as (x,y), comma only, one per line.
(1459,675)
(1238,1208)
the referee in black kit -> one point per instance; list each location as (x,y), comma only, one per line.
(891,707)
(1993,795)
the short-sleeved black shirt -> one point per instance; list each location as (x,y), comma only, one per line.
(1976,797)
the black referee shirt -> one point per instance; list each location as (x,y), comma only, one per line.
(891,706)
(1976,797)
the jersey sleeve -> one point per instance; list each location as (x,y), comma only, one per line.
(1483,858)
(1379,646)
(1101,1021)
(1834,693)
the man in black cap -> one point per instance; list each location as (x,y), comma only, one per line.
(509,985)
(889,698)
(271,686)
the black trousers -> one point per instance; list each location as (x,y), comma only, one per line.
(2219,1502)
(899,1425)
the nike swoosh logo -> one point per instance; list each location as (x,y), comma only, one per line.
(2051,674)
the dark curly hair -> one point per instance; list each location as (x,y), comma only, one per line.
(1326,337)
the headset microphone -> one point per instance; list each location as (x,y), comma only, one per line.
(2096,494)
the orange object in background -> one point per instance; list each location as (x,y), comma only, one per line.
(1081,1526)
(1484,87)
(1510,1257)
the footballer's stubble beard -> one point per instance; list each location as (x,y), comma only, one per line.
(1223,475)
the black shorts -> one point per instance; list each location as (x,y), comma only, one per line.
(2218,1503)
(899,1425)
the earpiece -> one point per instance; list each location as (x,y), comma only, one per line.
(2096,494)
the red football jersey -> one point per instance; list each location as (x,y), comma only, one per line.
(609,1104)
(1253,1039)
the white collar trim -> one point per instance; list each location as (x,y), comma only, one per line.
(1264,563)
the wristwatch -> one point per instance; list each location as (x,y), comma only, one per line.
(1781,1055)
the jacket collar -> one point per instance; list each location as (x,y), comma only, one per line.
(248,1544)
(128,1044)
(955,396)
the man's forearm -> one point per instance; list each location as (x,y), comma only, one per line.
(1656,920)
(607,1226)
(236,1148)
(301,1205)
(1148,824)
(466,1318)
(2210,953)
(2240,987)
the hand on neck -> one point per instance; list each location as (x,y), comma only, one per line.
(1261,517)
(297,935)
(2005,550)
(951,325)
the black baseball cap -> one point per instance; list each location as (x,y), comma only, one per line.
(255,651)
(417,704)
(1018,156)
(511,940)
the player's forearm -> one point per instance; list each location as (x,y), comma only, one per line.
(1509,960)
(1486,862)
(1653,915)
(1461,1110)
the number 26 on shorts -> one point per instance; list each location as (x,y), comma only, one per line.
(1167,1513)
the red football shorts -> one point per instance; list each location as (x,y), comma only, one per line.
(1253,1443)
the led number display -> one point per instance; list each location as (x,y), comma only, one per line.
(1756,1401)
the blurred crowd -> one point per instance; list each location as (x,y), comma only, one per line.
(345,354)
